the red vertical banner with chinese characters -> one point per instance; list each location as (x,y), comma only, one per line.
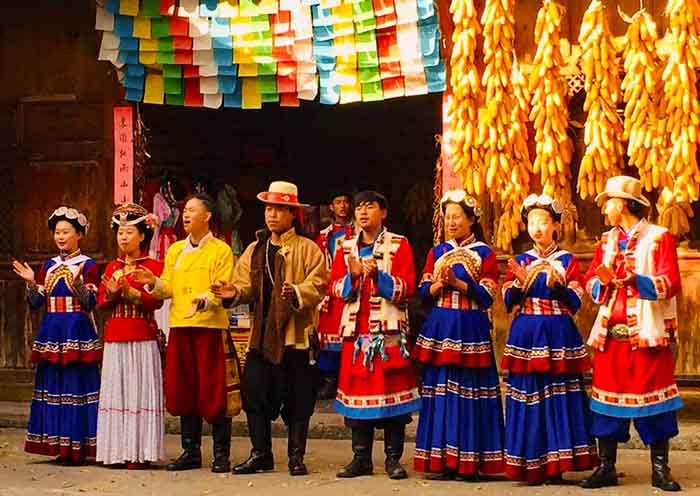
(123,155)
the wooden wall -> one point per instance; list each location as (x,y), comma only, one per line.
(55,145)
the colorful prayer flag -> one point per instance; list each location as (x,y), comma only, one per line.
(244,53)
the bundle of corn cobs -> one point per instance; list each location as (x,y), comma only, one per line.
(503,121)
(603,129)
(550,111)
(681,110)
(642,93)
(494,139)
(672,215)
(466,96)
(517,187)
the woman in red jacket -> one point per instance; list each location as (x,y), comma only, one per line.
(130,421)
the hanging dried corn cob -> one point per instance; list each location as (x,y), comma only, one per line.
(494,119)
(517,187)
(603,130)
(642,94)
(438,222)
(550,110)
(681,109)
(466,89)
(674,216)
(522,171)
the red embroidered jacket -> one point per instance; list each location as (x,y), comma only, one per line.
(132,313)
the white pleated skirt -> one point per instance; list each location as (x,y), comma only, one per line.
(131,418)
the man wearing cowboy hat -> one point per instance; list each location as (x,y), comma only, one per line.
(634,277)
(284,276)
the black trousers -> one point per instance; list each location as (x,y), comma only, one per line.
(288,388)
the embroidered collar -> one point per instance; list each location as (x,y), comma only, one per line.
(360,232)
(546,253)
(625,242)
(469,240)
(262,235)
(632,230)
(341,224)
(65,258)
(287,236)
(133,261)
(72,260)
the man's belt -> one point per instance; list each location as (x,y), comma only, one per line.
(619,331)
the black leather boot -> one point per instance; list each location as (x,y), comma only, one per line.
(191,438)
(660,472)
(327,388)
(221,433)
(361,464)
(260,458)
(394,437)
(296,447)
(447,475)
(604,474)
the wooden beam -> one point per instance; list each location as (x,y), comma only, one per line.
(67,97)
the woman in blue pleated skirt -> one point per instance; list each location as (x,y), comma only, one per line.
(460,430)
(547,413)
(67,351)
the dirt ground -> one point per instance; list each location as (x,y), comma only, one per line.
(22,474)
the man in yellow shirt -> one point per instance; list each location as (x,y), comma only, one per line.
(199,381)
(284,276)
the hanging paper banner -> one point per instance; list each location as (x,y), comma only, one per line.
(251,52)
(123,155)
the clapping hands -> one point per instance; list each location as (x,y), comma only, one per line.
(518,270)
(448,277)
(143,275)
(367,267)
(112,286)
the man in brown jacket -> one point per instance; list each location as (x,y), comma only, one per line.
(284,276)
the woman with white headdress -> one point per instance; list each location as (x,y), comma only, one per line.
(460,431)
(130,424)
(548,419)
(63,416)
